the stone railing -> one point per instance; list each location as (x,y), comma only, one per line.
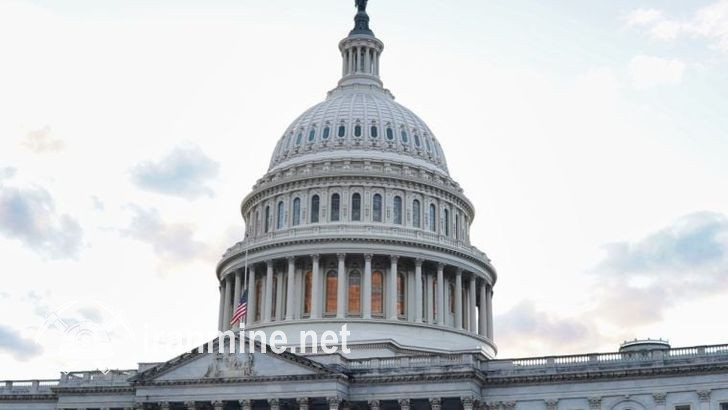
(410,362)
(376,231)
(96,378)
(595,360)
(27,386)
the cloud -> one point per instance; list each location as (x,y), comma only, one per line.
(174,243)
(7,172)
(40,141)
(29,216)
(648,71)
(184,172)
(709,23)
(21,349)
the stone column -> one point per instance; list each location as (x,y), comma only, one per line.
(252,297)
(274,404)
(660,399)
(374,405)
(459,298)
(392,291)
(489,308)
(221,315)
(483,318)
(268,301)
(704,397)
(236,294)
(228,305)
(302,403)
(341,287)
(367,305)
(279,296)
(418,291)
(315,289)
(334,402)
(217,405)
(435,403)
(190,405)
(471,301)
(440,294)
(290,286)
(411,305)
(404,404)
(245,404)
(468,403)
(430,299)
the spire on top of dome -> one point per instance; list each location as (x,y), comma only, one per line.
(361,21)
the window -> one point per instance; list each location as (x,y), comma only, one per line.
(307,286)
(326,133)
(274,299)
(335,206)
(457,226)
(281,215)
(416,213)
(357,131)
(377,293)
(446,217)
(315,209)
(374,132)
(342,131)
(687,407)
(296,211)
(258,299)
(299,138)
(427,144)
(356,207)
(433,218)
(451,296)
(331,285)
(390,134)
(401,289)
(256,222)
(354,293)
(398,210)
(405,137)
(417,140)
(724,406)
(267,219)
(312,135)
(377,208)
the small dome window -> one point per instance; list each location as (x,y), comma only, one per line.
(312,135)
(390,134)
(405,137)
(417,141)
(357,131)
(299,138)
(342,131)
(427,144)
(374,132)
(327,131)
(290,140)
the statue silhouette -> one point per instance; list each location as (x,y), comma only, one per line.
(361,5)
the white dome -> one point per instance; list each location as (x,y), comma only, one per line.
(359,121)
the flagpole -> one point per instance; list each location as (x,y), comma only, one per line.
(245,318)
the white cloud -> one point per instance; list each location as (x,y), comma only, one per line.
(641,17)
(650,71)
(41,141)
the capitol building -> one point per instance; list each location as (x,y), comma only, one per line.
(358,223)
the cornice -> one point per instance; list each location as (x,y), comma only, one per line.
(472,375)
(27,397)
(92,389)
(245,380)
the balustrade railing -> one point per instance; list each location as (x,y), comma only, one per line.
(27,386)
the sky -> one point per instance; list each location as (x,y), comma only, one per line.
(591,137)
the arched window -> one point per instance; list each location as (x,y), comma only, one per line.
(281,215)
(446,217)
(256,223)
(451,296)
(331,287)
(417,140)
(274,299)
(434,292)
(299,138)
(377,208)
(390,134)
(342,131)
(315,202)
(267,219)
(312,135)
(335,207)
(354,293)
(416,217)
(258,299)
(401,290)
(377,293)
(356,207)
(296,211)
(433,218)
(405,137)
(374,132)
(307,287)
(357,130)
(398,210)
(457,226)
(427,144)
(327,132)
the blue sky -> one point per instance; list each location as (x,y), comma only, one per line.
(591,137)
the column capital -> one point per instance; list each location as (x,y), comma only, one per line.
(459,271)
(374,404)
(217,404)
(468,402)
(163,405)
(303,402)
(435,403)
(595,403)
(394,258)
(509,405)
(274,404)
(404,404)
(703,395)
(341,256)
(552,404)
(419,262)
(245,404)
(660,398)
(440,266)
(334,402)
(269,263)
(368,257)
(190,405)
(315,257)
(291,259)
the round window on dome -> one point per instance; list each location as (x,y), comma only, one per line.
(357,131)
(374,132)
(342,131)
(312,135)
(390,134)
(405,137)
(327,131)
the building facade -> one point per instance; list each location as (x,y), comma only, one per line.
(358,222)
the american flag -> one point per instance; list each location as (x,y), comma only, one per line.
(241,310)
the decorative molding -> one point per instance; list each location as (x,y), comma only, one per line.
(552,404)
(704,395)
(374,405)
(435,403)
(404,404)
(659,398)
(595,403)
(303,403)
(191,405)
(334,402)
(468,402)
(245,404)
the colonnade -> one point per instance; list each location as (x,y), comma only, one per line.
(363,286)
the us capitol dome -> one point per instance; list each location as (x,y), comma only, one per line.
(358,221)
